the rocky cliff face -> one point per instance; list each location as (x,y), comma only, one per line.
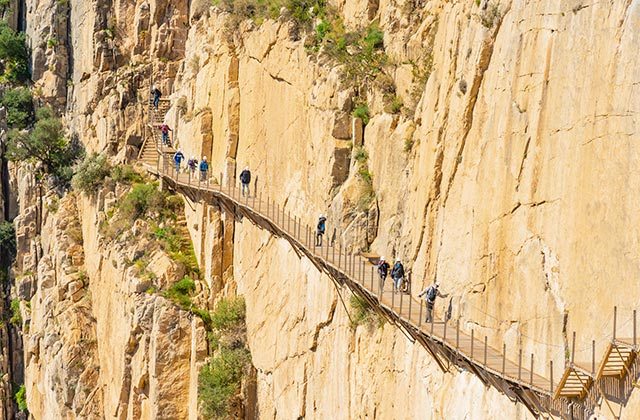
(503,176)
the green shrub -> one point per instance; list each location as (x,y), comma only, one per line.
(91,173)
(373,39)
(361,155)
(146,201)
(491,15)
(19,104)
(14,54)
(220,380)
(180,293)
(363,313)
(21,398)
(395,105)
(408,144)
(362,111)
(46,145)
(125,174)
(228,314)
(7,241)
(322,29)
(16,316)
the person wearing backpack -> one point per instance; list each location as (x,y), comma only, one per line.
(245,180)
(177,159)
(164,128)
(430,294)
(320,229)
(204,168)
(156,96)
(383,270)
(192,163)
(397,274)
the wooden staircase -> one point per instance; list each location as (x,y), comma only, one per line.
(152,145)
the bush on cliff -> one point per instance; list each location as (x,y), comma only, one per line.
(220,380)
(13,54)
(7,241)
(46,146)
(19,105)
(21,398)
(91,173)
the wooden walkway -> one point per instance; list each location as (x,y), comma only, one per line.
(574,393)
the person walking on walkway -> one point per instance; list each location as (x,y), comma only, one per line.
(320,229)
(192,163)
(178,157)
(430,294)
(397,274)
(245,180)
(204,168)
(383,271)
(164,128)
(156,96)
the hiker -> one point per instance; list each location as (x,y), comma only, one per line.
(192,164)
(245,179)
(397,274)
(156,96)
(430,294)
(204,168)
(320,229)
(383,270)
(178,157)
(164,128)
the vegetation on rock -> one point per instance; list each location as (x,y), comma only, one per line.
(19,104)
(46,146)
(13,55)
(220,380)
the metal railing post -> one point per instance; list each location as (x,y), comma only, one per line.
(520,365)
(551,377)
(457,334)
(485,351)
(504,357)
(419,315)
(531,372)
(615,318)
(573,348)
(635,346)
(472,334)
(444,338)
(593,357)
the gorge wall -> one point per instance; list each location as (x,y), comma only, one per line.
(506,174)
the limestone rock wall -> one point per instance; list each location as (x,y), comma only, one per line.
(506,178)
(506,184)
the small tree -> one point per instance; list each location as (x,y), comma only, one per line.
(19,105)
(13,54)
(91,173)
(45,145)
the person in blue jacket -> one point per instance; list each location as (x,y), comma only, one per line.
(204,168)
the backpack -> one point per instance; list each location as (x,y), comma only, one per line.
(321,226)
(431,293)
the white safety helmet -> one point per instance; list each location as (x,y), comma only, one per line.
(381,258)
